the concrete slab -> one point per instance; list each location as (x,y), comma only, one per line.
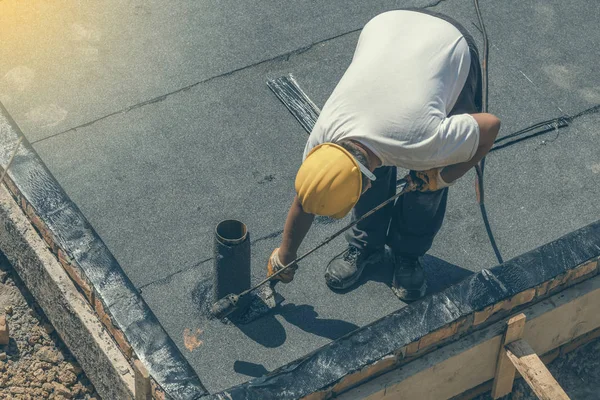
(180,152)
(57,57)
(552,44)
(156,179)
(176,168)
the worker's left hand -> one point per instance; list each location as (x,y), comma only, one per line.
(428,181)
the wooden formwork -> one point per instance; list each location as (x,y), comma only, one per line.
(476,363)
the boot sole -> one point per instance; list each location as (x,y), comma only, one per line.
(371,260)
(408,295)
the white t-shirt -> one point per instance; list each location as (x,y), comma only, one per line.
(406,75)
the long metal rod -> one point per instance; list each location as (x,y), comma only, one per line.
(405,188)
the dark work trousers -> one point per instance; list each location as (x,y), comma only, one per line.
(409,225)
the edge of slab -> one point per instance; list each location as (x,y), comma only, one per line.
(415,330)
(93,269)
(70,314)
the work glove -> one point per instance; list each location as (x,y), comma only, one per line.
(428,181)
(275,265)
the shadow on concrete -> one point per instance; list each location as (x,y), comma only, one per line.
(249,369)
(266,330)
(269,332)
(306,318)
(440,274)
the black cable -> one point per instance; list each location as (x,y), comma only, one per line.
(543,127)
(479,168)
(556,125)
(551,124)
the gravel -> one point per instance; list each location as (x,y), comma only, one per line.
(35,364)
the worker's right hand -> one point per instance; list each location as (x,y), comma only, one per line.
(428,181)
(275,265)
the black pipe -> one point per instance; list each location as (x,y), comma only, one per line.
(232,259)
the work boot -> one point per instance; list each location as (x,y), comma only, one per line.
(345,269)
(409,278)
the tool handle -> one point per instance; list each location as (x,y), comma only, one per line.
(406,184)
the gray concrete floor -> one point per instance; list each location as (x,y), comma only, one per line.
(156,120)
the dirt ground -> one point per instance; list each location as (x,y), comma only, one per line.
(35,364)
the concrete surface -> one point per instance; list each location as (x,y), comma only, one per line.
(125,54)
(154,168)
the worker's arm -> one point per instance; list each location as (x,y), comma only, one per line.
(489,126)
(296,227)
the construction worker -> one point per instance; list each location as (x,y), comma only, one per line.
(410,98)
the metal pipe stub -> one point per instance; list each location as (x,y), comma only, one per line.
(232,272)
(231,232)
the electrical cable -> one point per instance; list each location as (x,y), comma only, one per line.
(550,125)
(547,126)
(479,168)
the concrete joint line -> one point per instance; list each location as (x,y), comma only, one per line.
(285,56)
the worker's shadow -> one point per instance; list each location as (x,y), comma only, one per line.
(249,368)
(269,332)
(440,274)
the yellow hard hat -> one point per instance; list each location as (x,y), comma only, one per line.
(329,181)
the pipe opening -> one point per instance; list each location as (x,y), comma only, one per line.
(231,232)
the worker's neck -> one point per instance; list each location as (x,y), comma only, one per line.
(374,161)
